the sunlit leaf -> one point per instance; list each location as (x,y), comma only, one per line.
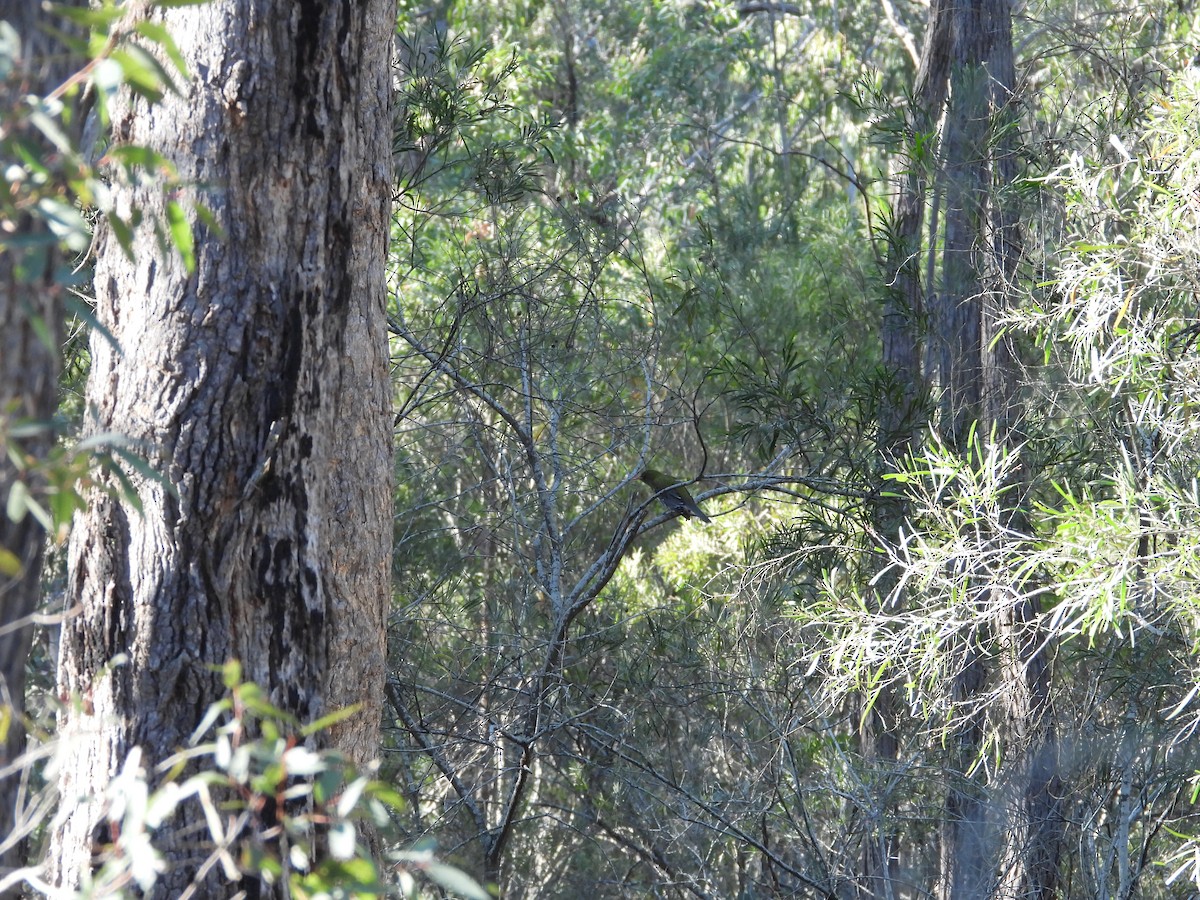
(10,566)
(333,718)
(342,840)
(456,881)
(158,33)
(66,223)
(143,73)
(181,234)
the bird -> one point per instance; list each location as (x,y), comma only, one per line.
(673,494)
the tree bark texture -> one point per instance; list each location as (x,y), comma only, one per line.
(257,386)
(963,90)
(901,418)
(31,299)
(29,367)
(981,251)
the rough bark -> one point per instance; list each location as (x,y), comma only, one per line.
(974,368)
(963,91)
(901,417)
(257,386)
(955,367)
(1032,825)
(30,300)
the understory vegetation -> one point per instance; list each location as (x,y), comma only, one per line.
(929,358)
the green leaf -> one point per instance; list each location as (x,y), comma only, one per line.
(143,73)
(25,430)
(333,718)
(66,223)
(131,155)
(44,118)
(181,234)
(387,795)
(16,507)
(10,565)
(123,233)
(10,48)
(342,840)
(83,311)
(231,674)
(213,713)
(207,216)
(64,505)
(101,18)
(107,76)
(326,785)
(455,881)
(351,795)
(21,501)
(158,33)
(358,875)
(142,467)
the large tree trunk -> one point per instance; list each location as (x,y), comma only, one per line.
(257,386)
(31,312)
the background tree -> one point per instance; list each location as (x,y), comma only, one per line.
(748,331)
(907,295)
(31,314)
(249,369)
(966,84)
(990,593)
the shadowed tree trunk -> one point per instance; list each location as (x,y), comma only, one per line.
(257,386)
(901,415)
(999,839)
(965,79)
(31,312)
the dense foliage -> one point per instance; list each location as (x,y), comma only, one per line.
(665,234)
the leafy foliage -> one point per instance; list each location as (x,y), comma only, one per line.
(277,809)
(632,234)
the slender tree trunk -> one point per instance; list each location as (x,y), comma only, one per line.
(982,249)
(31,312)
(1033,824)
(257,386)
(964,81)
(956,368)
(902,416)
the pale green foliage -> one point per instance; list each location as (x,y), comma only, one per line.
(957,566)
(62,187)
(1098,555)
(695,563)
(276,808)
(1122,320)
(1127,547)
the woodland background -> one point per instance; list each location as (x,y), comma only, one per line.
(905,291)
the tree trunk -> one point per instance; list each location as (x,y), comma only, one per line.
(31,300)
(965,80)
(977,374)
(901,417)
(257,386)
